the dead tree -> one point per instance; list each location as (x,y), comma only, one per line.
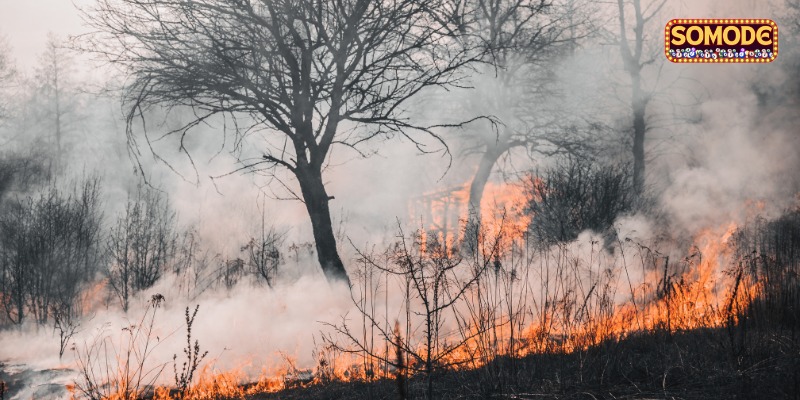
(141,245)
(263,252)
(52,81)
(49,251)
(7,77)
(434,280)
(309,74)
(521,42)
(634,60)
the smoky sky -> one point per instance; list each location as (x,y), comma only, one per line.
(398,173)
(25,24)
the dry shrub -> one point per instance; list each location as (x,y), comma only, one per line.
(574,196)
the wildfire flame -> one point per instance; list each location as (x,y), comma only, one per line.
(444,213)
(701,290)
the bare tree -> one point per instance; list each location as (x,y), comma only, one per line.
(17,174)
(7,76)
(15,277)
(230,271)
(141,245)
(309,74)
(49,249)
(434,280)
(522,41)
(263,252)
(193,263)
(52,82)
(634,59)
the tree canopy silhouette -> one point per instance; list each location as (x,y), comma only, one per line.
(313,74)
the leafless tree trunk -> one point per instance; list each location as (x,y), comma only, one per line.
(52,80)
(7,77)
(633,62)
(478,184)
(317,204)
(521,39)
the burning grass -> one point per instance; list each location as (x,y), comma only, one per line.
(619,320)
(679,328)
(686,329)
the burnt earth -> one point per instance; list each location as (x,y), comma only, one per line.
(701,364)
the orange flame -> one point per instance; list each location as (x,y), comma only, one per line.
(706,292)
(444,212)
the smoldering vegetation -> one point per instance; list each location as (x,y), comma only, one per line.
(296,200)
